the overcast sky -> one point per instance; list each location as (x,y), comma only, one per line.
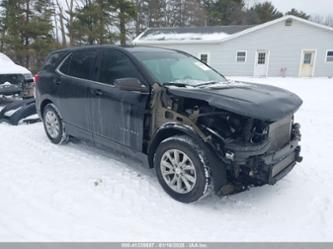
(313,7)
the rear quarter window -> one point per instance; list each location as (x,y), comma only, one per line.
(64,68)
(53,60)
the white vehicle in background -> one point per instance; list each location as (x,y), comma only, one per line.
(15,80)
(17,103)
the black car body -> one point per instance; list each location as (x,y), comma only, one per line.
(244,133)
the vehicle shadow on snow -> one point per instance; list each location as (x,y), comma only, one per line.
(245,199)
(126,160)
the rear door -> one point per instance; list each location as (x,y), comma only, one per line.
(74,78)
(118,115)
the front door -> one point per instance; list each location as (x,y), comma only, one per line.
(261,63)
(118,115)
(307,63)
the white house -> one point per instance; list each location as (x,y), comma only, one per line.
(288,46)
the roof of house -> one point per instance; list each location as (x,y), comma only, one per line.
(191,33)
(207,34)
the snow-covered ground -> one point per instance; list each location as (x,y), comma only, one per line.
(79,193)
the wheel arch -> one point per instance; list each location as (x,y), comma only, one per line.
(44,103)
(219,174)
(166,131)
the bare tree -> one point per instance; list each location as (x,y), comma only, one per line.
(325,20)
(193,14)
(66,17)
(60,13)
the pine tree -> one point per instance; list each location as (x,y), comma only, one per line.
(297,13)
(263,12)
(125,12)
(2,27)
(225,12)
(39,32)
(27,30)
(90,23)
(12,41)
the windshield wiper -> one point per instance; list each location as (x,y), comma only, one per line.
(175,84)
(208,83)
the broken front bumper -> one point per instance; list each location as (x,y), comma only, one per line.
(284,162)
(259,164)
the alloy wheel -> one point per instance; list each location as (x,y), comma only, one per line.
(178,171)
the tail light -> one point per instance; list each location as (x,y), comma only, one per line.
(36,78)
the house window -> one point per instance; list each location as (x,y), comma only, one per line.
(329,56)
(204,58)
(261,58)
(307,58)
(241,56)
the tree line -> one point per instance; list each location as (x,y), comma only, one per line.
(29,29)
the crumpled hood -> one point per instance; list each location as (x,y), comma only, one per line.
(263,102)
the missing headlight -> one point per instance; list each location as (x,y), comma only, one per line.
(260,132)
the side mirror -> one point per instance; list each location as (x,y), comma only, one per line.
(130,84)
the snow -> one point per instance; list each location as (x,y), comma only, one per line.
(7,66)
(184,37)
(5,58)
(6,84)
(77,192)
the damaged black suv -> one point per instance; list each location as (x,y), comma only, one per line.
(200,131)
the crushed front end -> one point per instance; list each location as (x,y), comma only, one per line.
(251,147)
(265,153)
(254,152)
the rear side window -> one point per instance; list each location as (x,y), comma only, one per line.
(80,64)
(116,65)
(64,68)
(53,60)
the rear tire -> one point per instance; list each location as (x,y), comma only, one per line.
(182,169)
(53,125)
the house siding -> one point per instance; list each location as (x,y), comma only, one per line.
(285,44)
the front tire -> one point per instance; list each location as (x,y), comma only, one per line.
(53,125)
(182,169)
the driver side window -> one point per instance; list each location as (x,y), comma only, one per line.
(116,65)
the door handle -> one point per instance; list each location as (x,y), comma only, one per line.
(98,92)
(57,81)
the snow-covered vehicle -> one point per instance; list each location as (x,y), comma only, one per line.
(15,80)
(198,130)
